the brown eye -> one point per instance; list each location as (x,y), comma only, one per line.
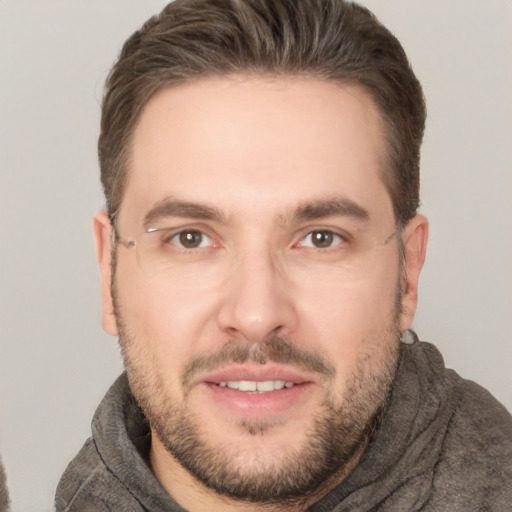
(321,239)
(190,239)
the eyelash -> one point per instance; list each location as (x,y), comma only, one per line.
(336,239)
(168,239)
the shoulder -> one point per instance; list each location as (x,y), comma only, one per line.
(475,463)
(478,422)
(88,485)
(480,429)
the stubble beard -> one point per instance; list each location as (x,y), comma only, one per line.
(338,433)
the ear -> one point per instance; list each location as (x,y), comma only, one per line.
(102,228)
(414,238)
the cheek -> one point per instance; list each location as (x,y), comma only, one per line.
(347,320)
(167,321)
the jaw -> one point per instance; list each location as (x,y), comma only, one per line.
(264,424)
(238,450)
(254,460)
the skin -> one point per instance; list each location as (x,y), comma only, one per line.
(257,149)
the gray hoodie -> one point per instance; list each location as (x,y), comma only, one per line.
(444,444)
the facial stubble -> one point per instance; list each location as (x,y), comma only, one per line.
(338,433)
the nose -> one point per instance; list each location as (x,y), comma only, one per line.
(257,300)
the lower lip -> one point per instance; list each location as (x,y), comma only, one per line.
(258,405)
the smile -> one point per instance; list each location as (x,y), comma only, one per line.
(256,386)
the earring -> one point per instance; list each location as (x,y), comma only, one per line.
(408,337)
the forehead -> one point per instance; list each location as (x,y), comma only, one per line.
(257,144)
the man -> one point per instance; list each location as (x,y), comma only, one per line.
(259,256)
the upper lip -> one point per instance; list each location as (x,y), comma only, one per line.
(255,372)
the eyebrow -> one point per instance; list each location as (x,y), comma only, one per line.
(310,210)
(169,207)
(336,206)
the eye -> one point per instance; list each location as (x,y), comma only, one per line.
(321,239)
(191,239)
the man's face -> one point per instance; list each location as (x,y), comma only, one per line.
(260,321)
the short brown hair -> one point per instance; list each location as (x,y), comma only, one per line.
(330,39)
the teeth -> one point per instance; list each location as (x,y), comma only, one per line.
(280,384)
(251,385)
(247,385)
(264,386)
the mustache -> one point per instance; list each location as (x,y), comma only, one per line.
(272,349)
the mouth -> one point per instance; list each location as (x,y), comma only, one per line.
(253,386)
(247,391)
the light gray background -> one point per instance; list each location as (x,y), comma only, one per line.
(56,363)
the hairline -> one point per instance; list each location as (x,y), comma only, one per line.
(387,173)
